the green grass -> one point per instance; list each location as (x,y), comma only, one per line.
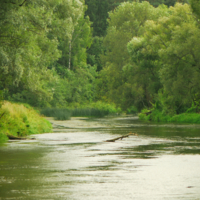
(18,120)
(3,138)
(158,116)
(186,118)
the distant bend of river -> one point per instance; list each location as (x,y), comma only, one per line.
(75,163)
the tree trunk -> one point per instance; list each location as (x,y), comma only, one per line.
(70,52)
(12,137)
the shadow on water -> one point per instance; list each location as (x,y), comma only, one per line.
(75,163)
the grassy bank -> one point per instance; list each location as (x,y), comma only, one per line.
(158,116)
(21,120)
(98,109)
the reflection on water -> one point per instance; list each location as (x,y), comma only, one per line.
(74,162)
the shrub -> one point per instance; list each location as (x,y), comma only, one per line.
(132,110)
(107,108)
(144,115)
(158,116)
(186,118)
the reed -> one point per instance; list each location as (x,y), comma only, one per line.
(88,112)
(97,109)
(57,113)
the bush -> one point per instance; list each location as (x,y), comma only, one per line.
(107,108)
(132,110)
(144,115)
(158,116)
(186,118)
(193,109)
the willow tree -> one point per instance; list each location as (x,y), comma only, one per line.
(26,50)
(32,33)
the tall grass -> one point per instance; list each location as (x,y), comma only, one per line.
(98,109)
(18,120)
(88,112)
(57,113)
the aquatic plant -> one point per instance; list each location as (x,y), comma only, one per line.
(57,113)
(97,109)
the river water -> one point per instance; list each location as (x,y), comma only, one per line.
(75,162)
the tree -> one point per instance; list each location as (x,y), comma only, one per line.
(37,40)
(95,52)
(126,22)
(25,49)
(195,5)
(173,40)
(98,13)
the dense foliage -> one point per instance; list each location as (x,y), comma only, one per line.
(152,58)
(43,52)
(68,53)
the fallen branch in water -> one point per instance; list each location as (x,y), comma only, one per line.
(12,137)
(124,136)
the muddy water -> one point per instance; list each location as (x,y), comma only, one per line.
(74,162)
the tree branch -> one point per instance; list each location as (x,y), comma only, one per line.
(16,3)
(22,3)
(160,39)
(118,138)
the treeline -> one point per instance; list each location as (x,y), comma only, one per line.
(46,57)
(152,58)
(43,59)
(62,53)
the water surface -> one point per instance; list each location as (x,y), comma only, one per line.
(74,162)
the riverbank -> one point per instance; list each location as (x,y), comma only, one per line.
(76,163)
(157,116)
(21,120)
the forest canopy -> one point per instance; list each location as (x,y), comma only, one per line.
(59,53)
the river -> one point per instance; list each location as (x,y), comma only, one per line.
(75,163)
